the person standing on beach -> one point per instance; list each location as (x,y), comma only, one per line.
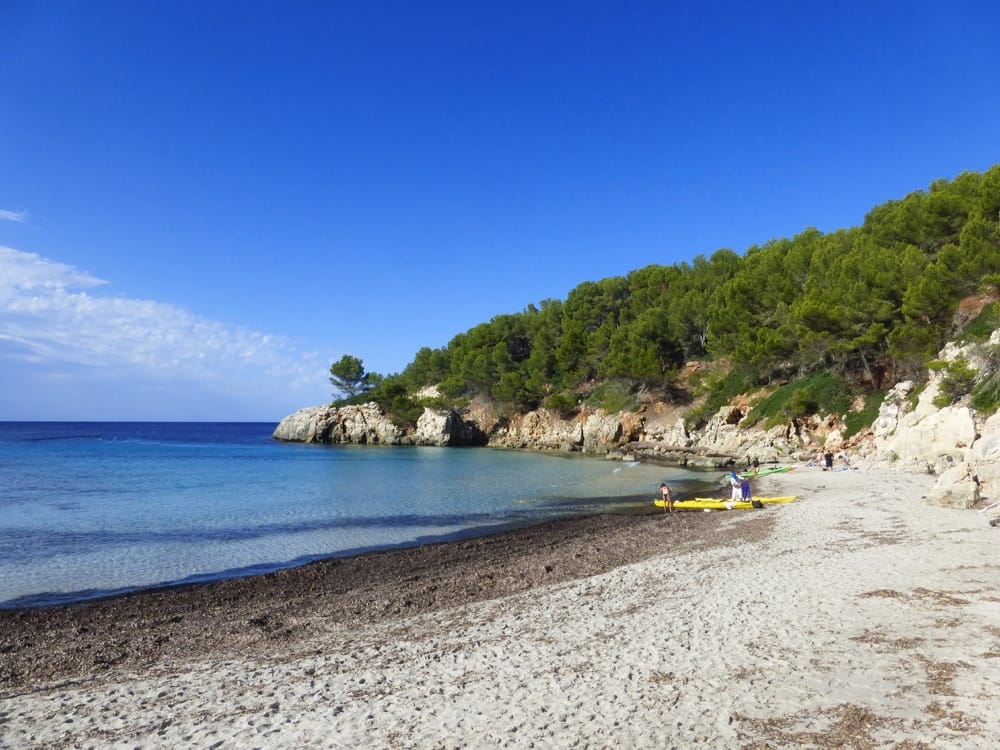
(745,490)
(668,497)
(734,484)
(828,460)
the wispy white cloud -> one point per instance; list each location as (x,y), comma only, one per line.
(26,274)
(54,313)
(18,216)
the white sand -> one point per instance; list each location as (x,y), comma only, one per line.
(867,620)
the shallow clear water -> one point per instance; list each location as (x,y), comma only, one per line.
(91,509)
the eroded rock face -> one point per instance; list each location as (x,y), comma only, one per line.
(605,432)
(435,428)
(985,458)
(955,488)
(595,432)
(442,427)
(304,426)
(953,442)
(589,432)
(723,437)
(540,429)
(365,424)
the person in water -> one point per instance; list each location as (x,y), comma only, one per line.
(668,497)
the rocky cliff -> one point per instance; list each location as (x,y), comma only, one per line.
(910,434)
(955,443)
(590,432)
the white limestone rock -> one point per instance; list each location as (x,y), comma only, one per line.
(985,458)
(437,427)
(540,428)
(362,424)
(602,432)
(304,426)
(955,488)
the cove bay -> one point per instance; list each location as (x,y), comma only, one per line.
(89,510)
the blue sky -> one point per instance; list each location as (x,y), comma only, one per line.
(204,204)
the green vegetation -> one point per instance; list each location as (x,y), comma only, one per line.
(613,396)
(855,421)
(960,379)
(986,398)
(348,375)
(986,393)
(821,392)
(719,390)
(821,318)
(982,326)
(957,380)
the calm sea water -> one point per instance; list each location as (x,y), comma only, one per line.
(94,509)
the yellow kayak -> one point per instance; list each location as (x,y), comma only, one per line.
(707,503)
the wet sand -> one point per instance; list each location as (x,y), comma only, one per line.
(262,614)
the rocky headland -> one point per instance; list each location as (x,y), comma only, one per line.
(956,444)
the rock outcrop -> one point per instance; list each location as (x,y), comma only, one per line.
(442,427)
(954,442)
(436,428)
(366,424)
(590,431)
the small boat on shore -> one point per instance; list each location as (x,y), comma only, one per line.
(709,503)
(765,472)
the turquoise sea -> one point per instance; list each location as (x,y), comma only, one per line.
(94,509)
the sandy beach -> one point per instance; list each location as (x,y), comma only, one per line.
(856,617)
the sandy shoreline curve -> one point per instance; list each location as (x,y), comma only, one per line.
(855,617)
(268,614)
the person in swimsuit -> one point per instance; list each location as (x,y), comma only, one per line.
(668,497)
